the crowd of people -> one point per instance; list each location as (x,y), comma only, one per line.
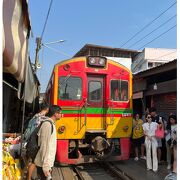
(144,138)
(150,134)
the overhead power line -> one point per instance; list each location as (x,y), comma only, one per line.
(153,31)
(158,37)
(148,24)
(55,50)
(46,19)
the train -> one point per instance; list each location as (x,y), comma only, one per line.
(95,94)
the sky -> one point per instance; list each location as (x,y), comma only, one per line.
(100,22)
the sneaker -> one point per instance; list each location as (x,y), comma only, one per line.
(155,171)
(148,169)
(136,158)
(171,175)
(169,166)
(143,157)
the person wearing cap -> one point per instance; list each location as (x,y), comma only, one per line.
(158,119)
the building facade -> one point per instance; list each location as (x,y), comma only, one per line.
(152,57)
(156,87)
(123,56)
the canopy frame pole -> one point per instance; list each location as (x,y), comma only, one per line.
(24,107)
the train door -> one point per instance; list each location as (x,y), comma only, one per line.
(95,102)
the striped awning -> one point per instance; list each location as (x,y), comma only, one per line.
(16,29)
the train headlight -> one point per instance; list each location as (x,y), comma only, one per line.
(102,61)
(96,61)
(61,129)
(92,60)
(66,67)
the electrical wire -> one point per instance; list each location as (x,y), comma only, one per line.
(46,19)
(157,37)
(153,31)
(148,24)
(55,50)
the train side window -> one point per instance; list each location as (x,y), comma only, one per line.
(124,91)
(70,88)
(95,89)
(119,90)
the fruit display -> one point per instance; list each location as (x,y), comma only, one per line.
(11,169)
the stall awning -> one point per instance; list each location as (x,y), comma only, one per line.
(29,90)
(31,85)
(16,29)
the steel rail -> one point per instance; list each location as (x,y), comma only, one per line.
(79,175)
(116,171)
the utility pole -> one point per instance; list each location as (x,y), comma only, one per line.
(38,47)
(38,42)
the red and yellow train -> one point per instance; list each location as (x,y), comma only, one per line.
(95,94)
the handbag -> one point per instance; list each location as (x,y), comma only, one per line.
(159,133)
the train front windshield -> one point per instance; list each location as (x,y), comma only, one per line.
(70,88)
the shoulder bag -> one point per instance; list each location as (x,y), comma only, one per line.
(159,133)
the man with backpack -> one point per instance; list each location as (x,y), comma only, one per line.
(45,157)
(36,120)
(33,123)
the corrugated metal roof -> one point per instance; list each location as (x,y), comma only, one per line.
(161,68)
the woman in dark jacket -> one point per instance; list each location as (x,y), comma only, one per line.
(171,126)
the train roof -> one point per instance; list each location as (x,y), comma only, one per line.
(90,49)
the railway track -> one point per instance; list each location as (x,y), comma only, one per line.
(116,171)
(91,172)
(64,173)
(124,170)
(78,175)
(105,171)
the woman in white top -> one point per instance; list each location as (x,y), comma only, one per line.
(149,129)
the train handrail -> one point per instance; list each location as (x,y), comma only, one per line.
(85,104)
(111,114)
(85,111)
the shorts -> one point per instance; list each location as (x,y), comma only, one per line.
(40,174)
(137,142)
(159,142)
(31,160)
